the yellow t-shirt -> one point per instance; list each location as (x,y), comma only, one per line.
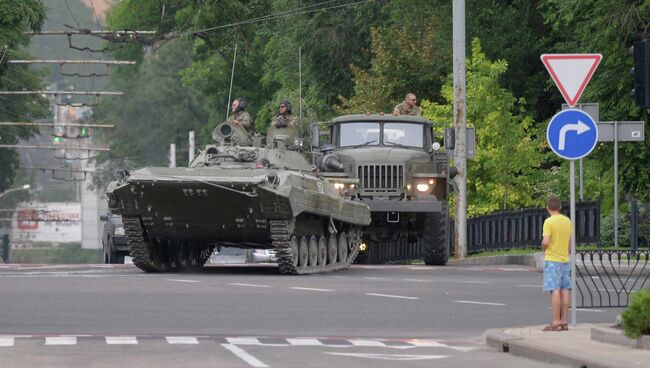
(558,228)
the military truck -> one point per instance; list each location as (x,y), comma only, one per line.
(392,164)
(238,193)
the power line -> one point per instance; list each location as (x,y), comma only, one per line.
(72,14)
(279,15)
(96,17)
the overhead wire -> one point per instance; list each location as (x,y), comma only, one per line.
(95,13)
(72,14)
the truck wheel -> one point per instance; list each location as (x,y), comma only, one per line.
(434,238)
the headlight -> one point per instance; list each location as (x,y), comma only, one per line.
(422,187)
(119,230)
(339,185)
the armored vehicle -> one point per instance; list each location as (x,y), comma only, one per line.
(392,164)
(231,195)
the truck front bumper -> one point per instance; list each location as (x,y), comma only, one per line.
(378,205)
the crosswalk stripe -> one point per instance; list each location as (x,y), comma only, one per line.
(6,341)
(427,344)
(243,341)
(182,340)
(61,340)
(367,343)
(305,342)
(121,340)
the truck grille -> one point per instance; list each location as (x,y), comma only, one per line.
(381,178)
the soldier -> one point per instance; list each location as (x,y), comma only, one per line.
(408,106)
(239,116)
(284,123)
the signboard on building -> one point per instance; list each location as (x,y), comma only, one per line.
(46,224)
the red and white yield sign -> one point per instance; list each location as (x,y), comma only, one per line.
(571,73)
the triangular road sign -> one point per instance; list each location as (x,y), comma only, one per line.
(571,73)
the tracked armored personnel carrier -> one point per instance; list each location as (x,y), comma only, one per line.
(238,196)
(394,165)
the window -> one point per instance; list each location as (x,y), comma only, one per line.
(404,134)
(353,134)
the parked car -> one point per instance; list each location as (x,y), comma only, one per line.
(113,239)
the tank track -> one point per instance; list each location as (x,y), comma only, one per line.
(281,237)
(141,251)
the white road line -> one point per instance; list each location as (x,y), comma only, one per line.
(427,344)
(393,296)
(374,278)
(251,285)
(310,289)
(367,343)
(121,340)
(473,302)
(530,285)
(589,310)
(185,340)
(6,341)
(243,341)
(61,340)
(304,342)
(181,280)
(397,357)
(474,282)
(243,355)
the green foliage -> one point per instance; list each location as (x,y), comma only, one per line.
(607,229)
(636,318)
(66,254)
(507,158)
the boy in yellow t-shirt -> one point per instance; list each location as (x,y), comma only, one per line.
(557,278)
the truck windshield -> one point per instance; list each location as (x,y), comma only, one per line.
(356,134)
(403,134)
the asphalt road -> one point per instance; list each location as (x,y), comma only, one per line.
(251,316)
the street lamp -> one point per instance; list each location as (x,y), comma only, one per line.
(24,187)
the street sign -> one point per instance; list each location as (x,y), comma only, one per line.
(572,134)
(571,73)
(626,131)
(590,108)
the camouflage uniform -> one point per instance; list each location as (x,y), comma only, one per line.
(244,119)
(405,109)
(287,125)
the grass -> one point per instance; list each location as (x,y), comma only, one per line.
(66,254)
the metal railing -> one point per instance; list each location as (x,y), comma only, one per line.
(523,228)
(607,278)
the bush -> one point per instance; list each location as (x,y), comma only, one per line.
(607,230)
(636,318)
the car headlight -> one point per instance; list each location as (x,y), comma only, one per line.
(339,185)
(422,187)
(119,230)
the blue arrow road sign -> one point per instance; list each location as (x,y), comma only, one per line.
(572,134)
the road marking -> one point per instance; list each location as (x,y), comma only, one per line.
(401,357)
(473,302)
(243,355)
(427,344)
(181,280)
(61,340)
(251,285)
(529,285)
(474,282)
(311,289)
(6,341)
(374,278)
(590,310)
(181,340)
(418,280)
(121,340)
(305,342)
(393,296)
(367,343)
(243,341)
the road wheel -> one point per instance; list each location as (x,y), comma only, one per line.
(322,251)
(295,251)
(332,249)
(343,247)
(313,251)
(303,254)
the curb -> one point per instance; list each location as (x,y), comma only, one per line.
(519,347)
(616,337)
(533,260)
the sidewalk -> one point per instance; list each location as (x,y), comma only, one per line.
(573,348)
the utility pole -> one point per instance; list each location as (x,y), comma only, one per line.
(460,121)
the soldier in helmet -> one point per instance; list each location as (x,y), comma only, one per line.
(240,120)
(408,106)
(285,124)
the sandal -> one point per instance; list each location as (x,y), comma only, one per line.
(565,326)
(553,327)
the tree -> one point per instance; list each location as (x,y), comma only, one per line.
(17,18)
(505,172)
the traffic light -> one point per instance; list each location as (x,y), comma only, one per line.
(56,139)
(84,131)
(641,72)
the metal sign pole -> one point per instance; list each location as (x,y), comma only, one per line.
(572,190)
(582,197)
(192,148)
(616,184)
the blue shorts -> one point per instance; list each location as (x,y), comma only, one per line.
(557,275)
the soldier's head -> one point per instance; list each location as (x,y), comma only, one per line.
(284,108)
(238,105)
(553,204)
(410,99)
